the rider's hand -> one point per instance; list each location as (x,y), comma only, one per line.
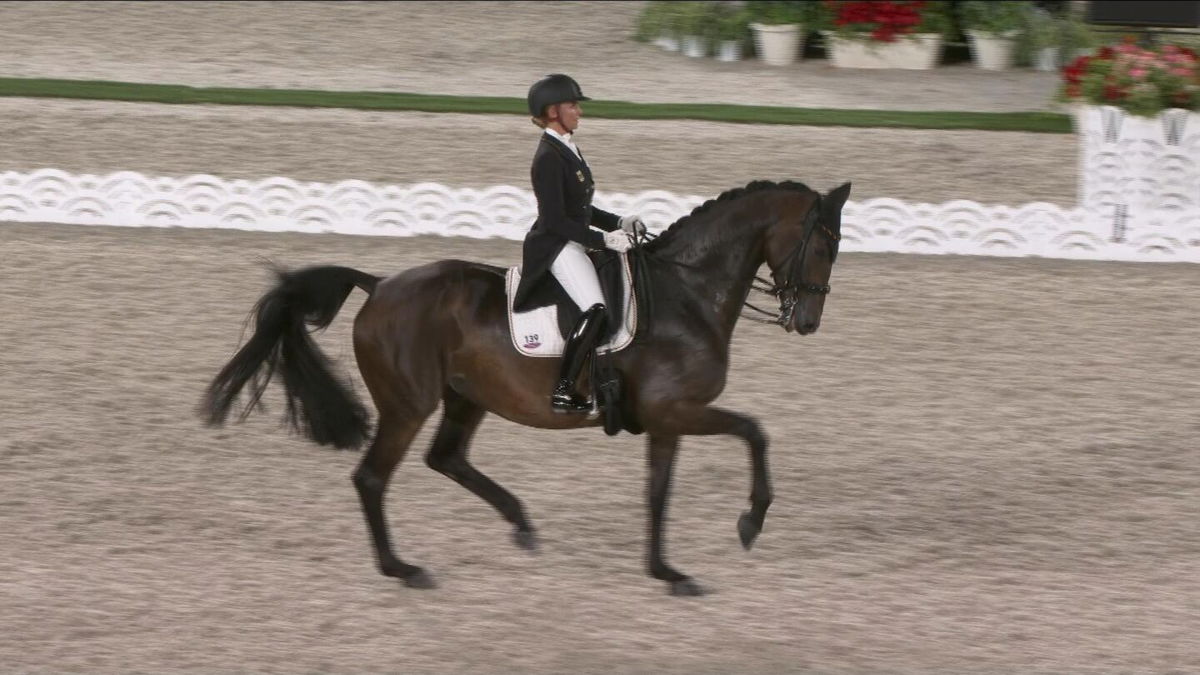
(633,225)
(617,241)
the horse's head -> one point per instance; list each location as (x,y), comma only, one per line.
(800,250)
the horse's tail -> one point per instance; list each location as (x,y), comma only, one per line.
(320,406)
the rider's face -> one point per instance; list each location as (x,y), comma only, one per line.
(567,115)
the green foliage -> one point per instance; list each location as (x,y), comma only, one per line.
(711,20)
(935,18)
(730,22)
(1043,29)
(657,19)
(998,16)
(695,18)
(782,12)
(1077,35)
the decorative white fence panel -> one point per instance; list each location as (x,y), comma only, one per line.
(1141,164)
(1141,173)
(357,207)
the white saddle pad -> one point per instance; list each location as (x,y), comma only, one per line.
(536,333)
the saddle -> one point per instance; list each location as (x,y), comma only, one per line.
(539,333)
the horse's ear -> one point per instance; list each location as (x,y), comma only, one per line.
(837,198)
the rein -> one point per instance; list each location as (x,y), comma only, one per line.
(788,293)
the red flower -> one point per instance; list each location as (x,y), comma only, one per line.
(1074,73)
(884,34)
(883,19)
(1140,81)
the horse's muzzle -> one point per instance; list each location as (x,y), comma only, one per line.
(802,327)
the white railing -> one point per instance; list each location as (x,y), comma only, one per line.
(357,207)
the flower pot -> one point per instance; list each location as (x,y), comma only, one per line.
(694,46)
(921,51)
(992,51)
(729,50)
(667,43)
(778,45)
(1046,59)
(1139,171)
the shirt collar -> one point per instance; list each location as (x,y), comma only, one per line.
(565,138)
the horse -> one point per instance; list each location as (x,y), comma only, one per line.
(439,333)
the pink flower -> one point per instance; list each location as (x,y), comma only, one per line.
(1136,79)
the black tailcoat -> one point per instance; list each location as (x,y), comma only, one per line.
(563,186)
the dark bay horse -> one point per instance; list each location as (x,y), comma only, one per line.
(439,333)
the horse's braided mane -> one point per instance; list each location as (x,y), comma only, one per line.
(730,195)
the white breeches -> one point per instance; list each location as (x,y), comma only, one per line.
(577,275)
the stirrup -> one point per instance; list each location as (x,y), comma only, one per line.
(573,405)
(563,400)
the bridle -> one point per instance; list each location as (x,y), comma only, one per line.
(789,291)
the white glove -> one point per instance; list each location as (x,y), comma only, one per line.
(632,224)
(617,241)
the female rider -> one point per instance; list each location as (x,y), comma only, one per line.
(555,260)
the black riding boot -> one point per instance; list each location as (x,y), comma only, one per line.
(580,343)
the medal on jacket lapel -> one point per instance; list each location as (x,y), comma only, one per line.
(579,175)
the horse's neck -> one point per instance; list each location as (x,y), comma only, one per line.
(719,260)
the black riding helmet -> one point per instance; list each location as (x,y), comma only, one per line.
(551,89)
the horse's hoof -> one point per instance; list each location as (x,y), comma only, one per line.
(747,530)
(526,539)
(419,579)
(686,587)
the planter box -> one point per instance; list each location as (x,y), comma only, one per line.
(992,51)
(1138,170)
(917,52)
(667,43)
(778,45)
(1047,59)
(695,46)
(729,50)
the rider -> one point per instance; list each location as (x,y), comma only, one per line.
(555,259)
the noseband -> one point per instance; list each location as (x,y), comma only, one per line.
(789,292)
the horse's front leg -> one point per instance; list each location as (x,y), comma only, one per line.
(692,419)
(661,456)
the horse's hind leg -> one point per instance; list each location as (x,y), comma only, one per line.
(371,478)
(448,456)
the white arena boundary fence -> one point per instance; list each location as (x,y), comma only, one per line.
(360,208)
